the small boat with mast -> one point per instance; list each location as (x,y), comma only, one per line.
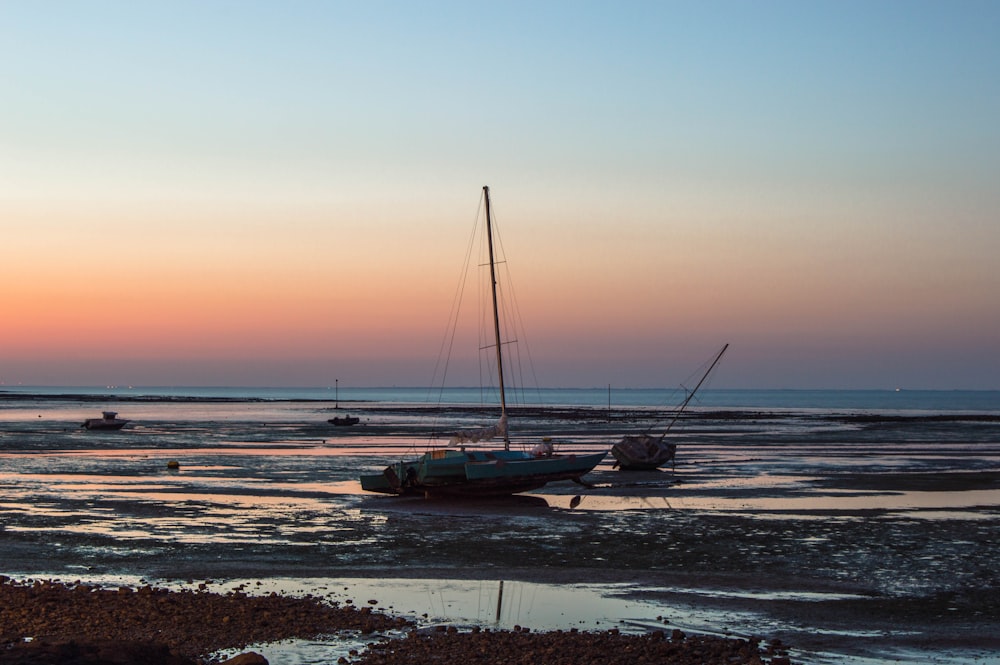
(646,452)
(345,420)
(464,472)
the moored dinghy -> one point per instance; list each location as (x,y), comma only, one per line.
(108,420)
(462,472)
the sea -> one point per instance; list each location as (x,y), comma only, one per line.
(858,526)
(927,401)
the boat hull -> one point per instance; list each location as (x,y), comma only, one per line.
(109,421)
(100,423)
(643,453)
(478,473)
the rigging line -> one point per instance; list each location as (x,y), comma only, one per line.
(519,325)
(430,598)
(458,299)
(479,602)
(531,600)
(528,593)
(512,310)
(671,397)
(486,368)
(442,365)
(690,395)
(488,372)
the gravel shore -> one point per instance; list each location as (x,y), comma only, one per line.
(45,622)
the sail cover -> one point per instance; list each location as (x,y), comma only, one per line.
(481,434)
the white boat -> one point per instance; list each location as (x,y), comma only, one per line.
(461,471)
(646,452)
(108,420)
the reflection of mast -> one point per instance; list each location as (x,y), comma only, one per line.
(499,601)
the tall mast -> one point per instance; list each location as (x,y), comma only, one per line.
(704,376)
(496,315)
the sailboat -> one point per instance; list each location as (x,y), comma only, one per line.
(458,471)
(341,421)
(646,452)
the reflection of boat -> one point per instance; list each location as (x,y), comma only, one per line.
(643,452)
(109,420)
(447,472)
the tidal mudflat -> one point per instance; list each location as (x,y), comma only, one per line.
(852,536)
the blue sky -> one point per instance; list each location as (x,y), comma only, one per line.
(813,182)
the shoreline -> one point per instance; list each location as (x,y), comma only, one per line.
(844,621)
(45,621)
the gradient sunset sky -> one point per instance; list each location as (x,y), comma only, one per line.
(280,193)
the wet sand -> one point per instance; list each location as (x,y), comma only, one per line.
(844,535)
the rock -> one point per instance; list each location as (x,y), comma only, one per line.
(190,624)
(154,626)
(248,658)
(98,652)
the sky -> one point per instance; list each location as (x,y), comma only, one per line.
(280,194)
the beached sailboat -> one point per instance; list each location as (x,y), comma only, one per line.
(645,452)
(458,471)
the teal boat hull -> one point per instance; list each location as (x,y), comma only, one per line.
(478,473)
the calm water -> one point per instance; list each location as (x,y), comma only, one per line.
(985,401)
(790,513)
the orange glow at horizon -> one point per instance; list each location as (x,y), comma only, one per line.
(208,286)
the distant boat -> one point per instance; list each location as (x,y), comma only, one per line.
(646,452)
(341,421)
(109,420)
(462,472)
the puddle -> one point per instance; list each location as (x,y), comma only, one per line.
(543,607)
(910,502)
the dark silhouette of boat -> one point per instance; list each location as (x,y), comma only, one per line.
(646,452)
(108,421)
(462,472)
